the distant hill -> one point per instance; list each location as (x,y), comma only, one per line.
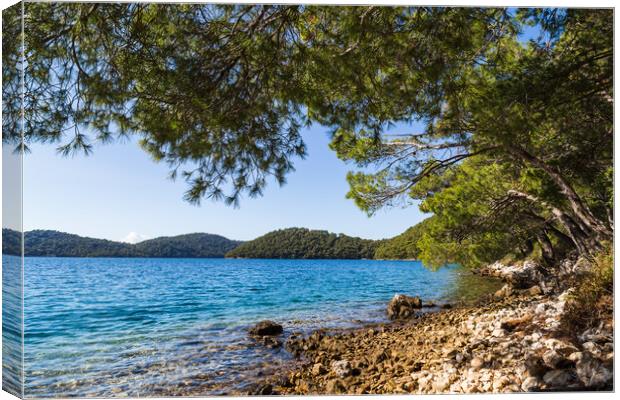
(60,244)
(305,243)
(195,245)
(11,242)
(286,243)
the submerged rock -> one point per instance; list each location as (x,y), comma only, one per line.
(402,306)
(263,390)
(266,328)
(271,342)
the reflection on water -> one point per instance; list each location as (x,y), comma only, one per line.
(144,327)
(11,325)
(467,287)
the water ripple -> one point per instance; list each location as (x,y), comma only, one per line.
(165,327)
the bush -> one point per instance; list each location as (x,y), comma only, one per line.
(592,300)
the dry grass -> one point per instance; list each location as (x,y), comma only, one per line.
(592,300)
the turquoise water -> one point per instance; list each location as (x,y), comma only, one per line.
(12,324)
(139,327)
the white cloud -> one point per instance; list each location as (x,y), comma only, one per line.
(134,237)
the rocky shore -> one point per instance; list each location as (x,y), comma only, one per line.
(514,341)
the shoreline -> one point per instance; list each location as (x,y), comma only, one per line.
(512,341)
(208,351)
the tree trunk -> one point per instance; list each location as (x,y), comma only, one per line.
(559,234)
(582,241)
(548,225)
(548,253)
(610,217)
(585,218)
(529,247)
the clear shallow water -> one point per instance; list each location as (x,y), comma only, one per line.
(139,327)
(12,324)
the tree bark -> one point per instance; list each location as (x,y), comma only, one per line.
(528,248)
(582,241)
(548,253)
(585,217)
(559,234)
(550,228)
(610,217)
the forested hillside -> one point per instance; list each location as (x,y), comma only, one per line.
(198,245)
(60,244)
(305,243)
(286,243)
(403,246)
(11,242)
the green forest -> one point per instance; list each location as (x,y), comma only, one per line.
(305,243)
(293,243)
(58,244)
(515,156)
(404,246)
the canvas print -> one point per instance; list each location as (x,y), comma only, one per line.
(299,199)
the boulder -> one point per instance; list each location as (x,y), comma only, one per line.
(341,368)
(530,384)
(450,352)
(535,366)
(402,306)
(520,275)
(592,348)
(266,328)
(591,372)
(558,378)
(529,274)
(284,381)
(555,360)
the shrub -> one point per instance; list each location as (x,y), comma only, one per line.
(592,300)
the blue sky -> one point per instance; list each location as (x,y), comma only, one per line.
(119,193)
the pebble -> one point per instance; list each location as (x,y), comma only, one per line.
(507,344)
(477,363)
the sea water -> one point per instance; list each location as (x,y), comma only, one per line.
(145,327)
